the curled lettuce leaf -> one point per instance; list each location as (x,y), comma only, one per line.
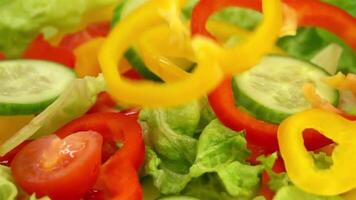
(21,21)
(8,190)
(75,101)
(180,158)
(170,133)
(166,180)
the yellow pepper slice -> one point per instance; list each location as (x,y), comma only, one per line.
(155,47)
(341,176)
(350,195)
(9,125)
(259,43)
(342,82)
(150,94)
(87,63)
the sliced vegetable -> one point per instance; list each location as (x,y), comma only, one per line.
(282,78)
(324,15)
(40,49)
(264,37)
(11,124)
(257,131)
(76,100)
(29,86)
(300,166)
(8,190)
(118,176)
(205,76)
(60,169)
(132,54)
(343,82)
(114,126)
(74,40)
(328,58)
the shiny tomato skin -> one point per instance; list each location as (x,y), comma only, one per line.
(59,168)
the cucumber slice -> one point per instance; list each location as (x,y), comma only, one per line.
(273,89)
(29,86)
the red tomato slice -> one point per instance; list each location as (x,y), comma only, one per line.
(40,49)
(59,168)
(118,176)
(7,158)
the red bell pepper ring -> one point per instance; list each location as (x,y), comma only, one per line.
(40,49)
(118,176)
(309,13)
(205,8)
(258,132)
(319,14)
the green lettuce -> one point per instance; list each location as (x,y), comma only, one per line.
(294,193)
(181,159)
(309,41)
(72,103)
(21,21)
(8,190)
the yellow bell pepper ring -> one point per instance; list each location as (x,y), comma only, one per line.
(155,47)
(260,42)
(150,94)
(86,56)
(341,176)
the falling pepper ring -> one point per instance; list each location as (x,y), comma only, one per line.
(261,41)
(205,77)
(208,55)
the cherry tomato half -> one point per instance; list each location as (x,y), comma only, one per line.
(59,168)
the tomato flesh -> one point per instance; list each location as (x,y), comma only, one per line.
(59,168)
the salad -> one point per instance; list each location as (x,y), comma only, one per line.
(178,99)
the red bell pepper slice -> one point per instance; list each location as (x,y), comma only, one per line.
(72,41)
(118,176)
(309,12)
(40,49)
(2,56)
(319,14)
(265,191)
(258,132)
